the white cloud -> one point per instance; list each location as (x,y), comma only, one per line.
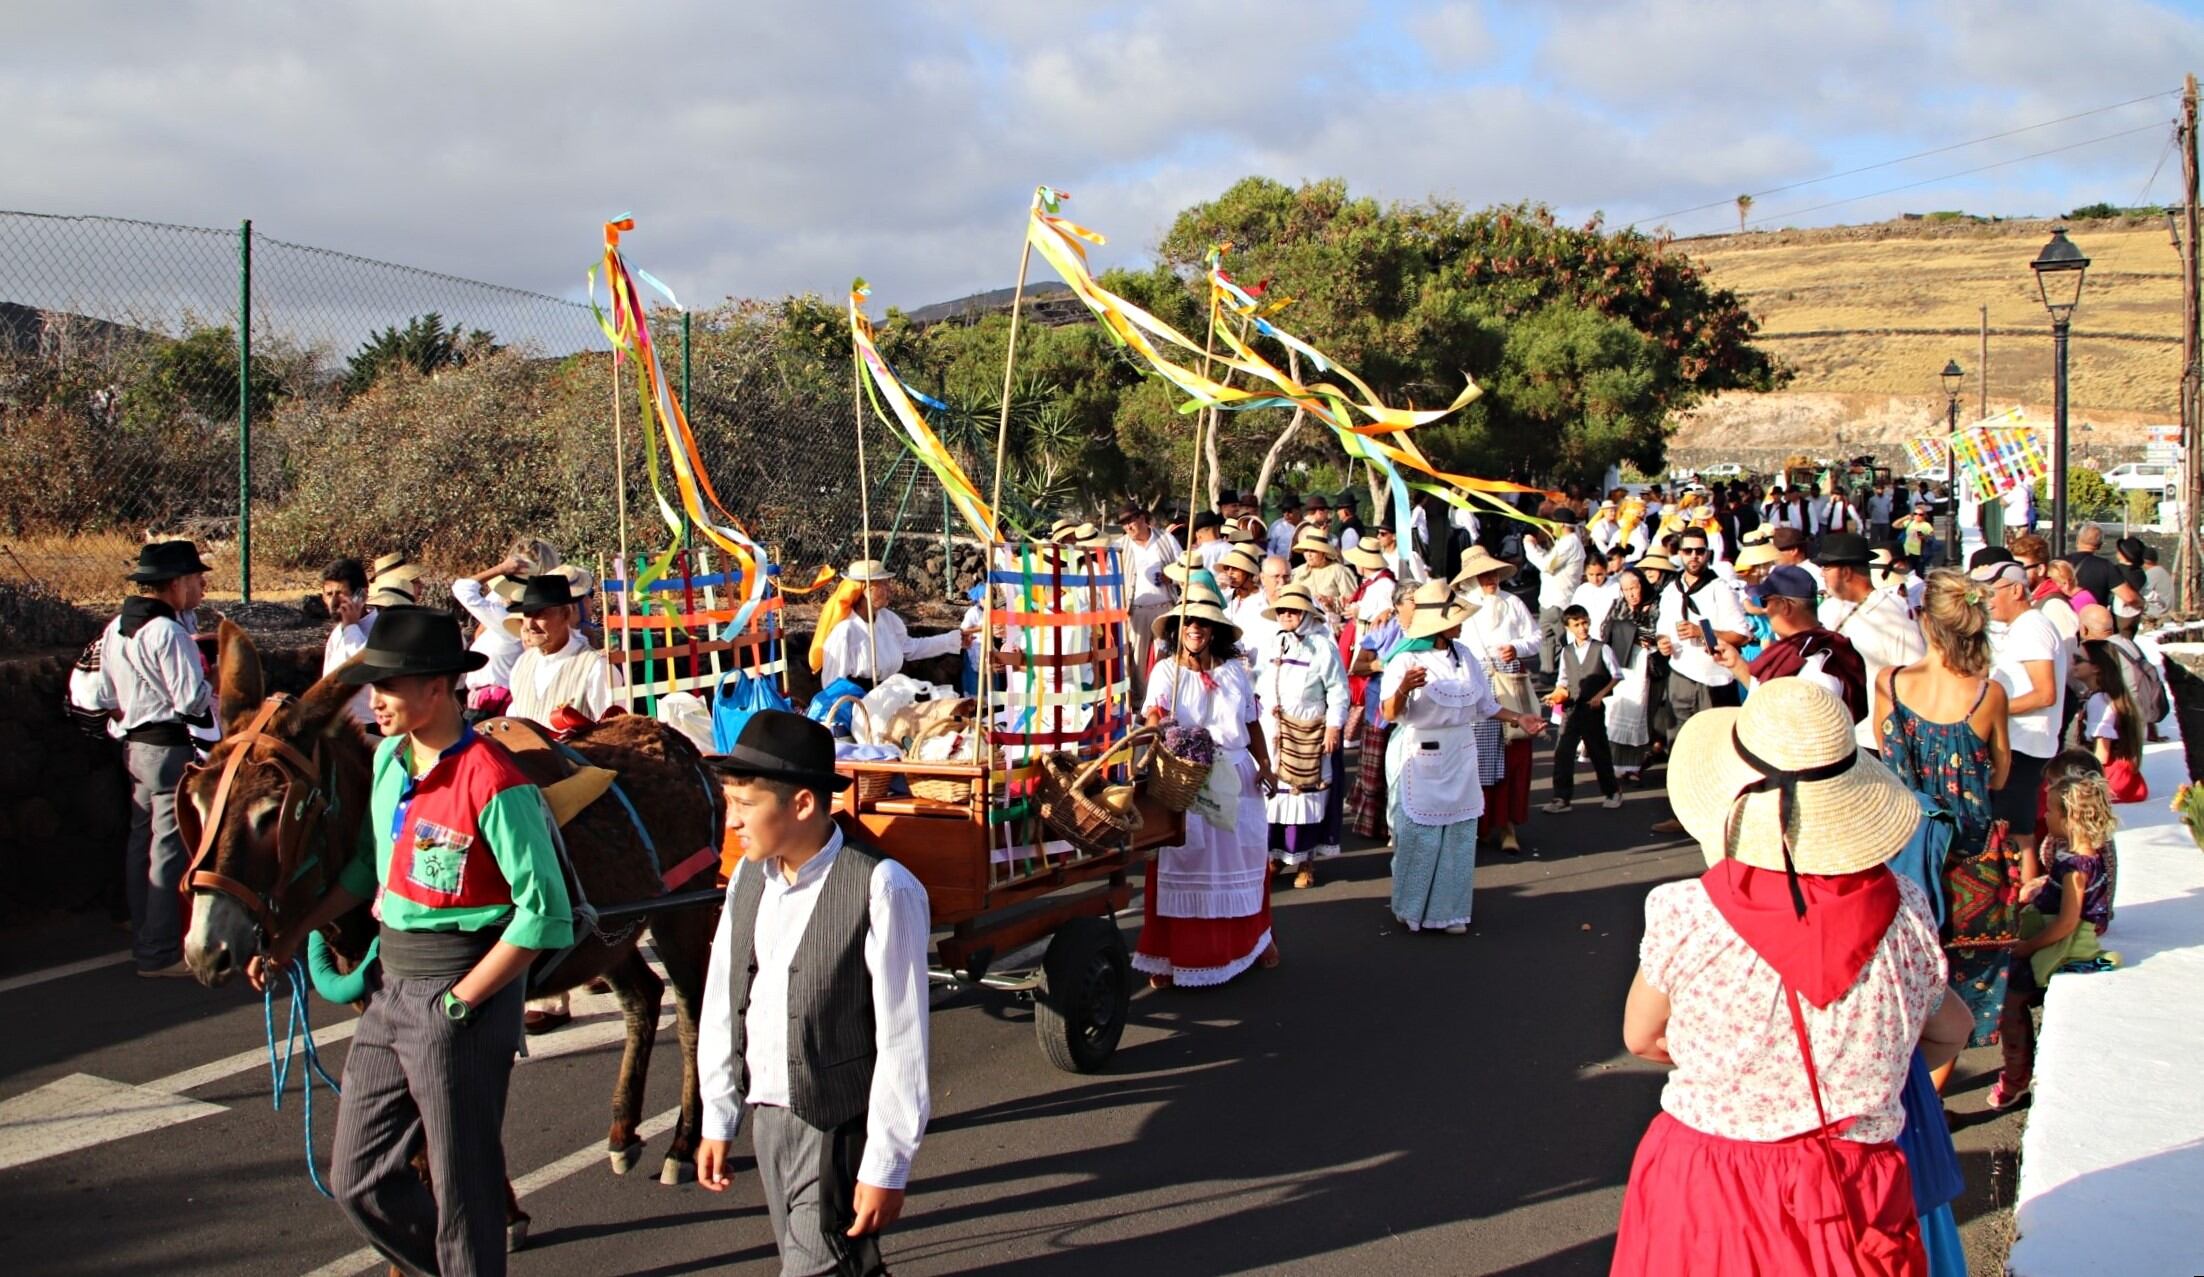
(778,146)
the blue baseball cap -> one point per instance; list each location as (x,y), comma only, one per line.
(1787,582)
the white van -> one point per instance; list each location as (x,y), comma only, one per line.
(2144,476)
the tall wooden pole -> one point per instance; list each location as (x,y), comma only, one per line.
(1982,360)
(620,477)
(2192,373)
(864,507)
(995,503)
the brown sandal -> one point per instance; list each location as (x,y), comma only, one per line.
(1271,958)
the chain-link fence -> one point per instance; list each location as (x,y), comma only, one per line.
(375,407)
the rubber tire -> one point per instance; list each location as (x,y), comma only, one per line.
(1085,995)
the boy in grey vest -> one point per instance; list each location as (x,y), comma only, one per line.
(815,1007)
(1584,675)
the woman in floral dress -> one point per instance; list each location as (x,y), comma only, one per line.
(1942,724)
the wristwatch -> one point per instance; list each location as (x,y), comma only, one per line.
(455,1008)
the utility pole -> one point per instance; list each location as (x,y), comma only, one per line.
(1982,361)
(2192,447)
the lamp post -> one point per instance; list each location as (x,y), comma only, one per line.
(2059,270)
(1953,377)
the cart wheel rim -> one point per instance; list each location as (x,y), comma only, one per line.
(1099,986)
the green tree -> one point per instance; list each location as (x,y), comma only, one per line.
(1585,340)
(423,345)
(197,373)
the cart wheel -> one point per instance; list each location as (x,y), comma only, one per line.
(1085,992)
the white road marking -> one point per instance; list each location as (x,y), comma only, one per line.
(64,971)
(80,1110)
(588,1155)
(216,1070)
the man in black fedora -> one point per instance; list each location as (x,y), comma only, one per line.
(150,682)
(815,1007)
(463,863)
(557,666)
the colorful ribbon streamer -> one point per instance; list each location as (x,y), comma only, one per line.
(882,383)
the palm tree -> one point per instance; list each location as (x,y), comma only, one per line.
(1744,206)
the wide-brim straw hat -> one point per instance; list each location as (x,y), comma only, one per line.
(1654,563)
(1200,605)
(1363,556)
(1245,559)
(1791,749)
(508,588)
(1758,555)
(867,570)
(396,560)
(1240,534)
(1312,541)
(400,588)
(1477,561)
(1294,598)
(1187,564)
(1437,610)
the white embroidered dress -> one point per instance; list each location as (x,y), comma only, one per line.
(1215,873)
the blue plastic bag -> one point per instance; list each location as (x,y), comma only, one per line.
(822,706)
(732,707)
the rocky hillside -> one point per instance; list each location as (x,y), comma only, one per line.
(1867,316)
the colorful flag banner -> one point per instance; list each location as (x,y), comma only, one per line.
(1928,453)
(2000,453)
(901,411)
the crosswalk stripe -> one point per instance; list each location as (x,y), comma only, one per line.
(64,971)
(79,1111)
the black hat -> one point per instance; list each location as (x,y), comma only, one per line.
(1208,519)
(552,590)
(1842,550)
(778,745)
(1316,501)
(1564,515)
(1291,502)
(166,560)
(2131,549)
(411,640)
(1990,554)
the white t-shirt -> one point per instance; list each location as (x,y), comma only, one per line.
(2103,719)
(1597,601)
(346,642)
(1714,604)
(2030,637)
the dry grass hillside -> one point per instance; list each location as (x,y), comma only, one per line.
(1867,316)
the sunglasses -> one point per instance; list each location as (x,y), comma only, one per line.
(1692,549)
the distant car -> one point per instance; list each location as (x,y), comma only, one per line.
(1726,470)
(2144,476)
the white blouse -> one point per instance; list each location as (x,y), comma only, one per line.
(1223,700)
(1302,677)
(1500,619)
(1456,693)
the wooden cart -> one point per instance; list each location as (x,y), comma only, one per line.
(995,905)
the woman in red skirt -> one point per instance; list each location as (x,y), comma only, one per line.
(1788,986)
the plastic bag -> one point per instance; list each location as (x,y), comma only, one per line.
(733,706)
(686,713)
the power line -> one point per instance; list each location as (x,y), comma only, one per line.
(1931,181)
(2156,169)
(1917,155)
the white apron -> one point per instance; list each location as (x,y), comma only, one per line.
(1439,775)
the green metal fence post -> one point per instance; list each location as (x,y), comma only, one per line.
(245,409)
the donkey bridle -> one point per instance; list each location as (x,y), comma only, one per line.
(304,802)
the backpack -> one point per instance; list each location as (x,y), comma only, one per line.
(732,708)
(84,697)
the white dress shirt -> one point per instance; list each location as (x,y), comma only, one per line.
(1882,630)
(577,674)
(1143,565)
(1501,620)
(896,940)
(850,654)
(346,642)
(1560,568)
(1597,601)
(490,613)
(1714,605)
(154,676)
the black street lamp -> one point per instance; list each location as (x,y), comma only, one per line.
(2059,270)
(1953,378)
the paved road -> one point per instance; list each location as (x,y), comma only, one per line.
(1382,1102)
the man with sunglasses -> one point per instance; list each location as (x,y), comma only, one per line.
(1698,613)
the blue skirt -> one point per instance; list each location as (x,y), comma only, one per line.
(1433,871)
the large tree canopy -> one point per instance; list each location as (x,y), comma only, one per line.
(1584,340)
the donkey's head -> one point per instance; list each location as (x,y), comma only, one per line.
(251,815)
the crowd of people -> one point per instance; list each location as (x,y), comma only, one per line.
(1841,722)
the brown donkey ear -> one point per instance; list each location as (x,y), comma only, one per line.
(238,677)
(322,709)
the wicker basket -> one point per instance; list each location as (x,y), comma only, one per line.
(934,788)
(1077,816)
(1174,781)
(872,786)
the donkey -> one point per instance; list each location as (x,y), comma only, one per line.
(274,843)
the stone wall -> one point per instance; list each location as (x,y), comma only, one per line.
(64,799)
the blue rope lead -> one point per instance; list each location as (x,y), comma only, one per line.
(280,1072)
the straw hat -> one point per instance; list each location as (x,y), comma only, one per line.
(868,570)
(1437,610)
(1243,558)
(1239,534)
(1476,561)
(1200,605)
(1074,531)
(1362,556)
(1293,598)
(1846,811)
(1760,554)
(395,589)
(1187,564)
(1312,540)
(1655,562)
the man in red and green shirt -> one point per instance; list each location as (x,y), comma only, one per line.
(457,852)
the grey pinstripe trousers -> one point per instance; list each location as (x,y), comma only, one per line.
(413,1075)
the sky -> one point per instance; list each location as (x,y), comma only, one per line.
(768,147)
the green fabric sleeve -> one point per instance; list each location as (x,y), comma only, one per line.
(517,826)
(361,875)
